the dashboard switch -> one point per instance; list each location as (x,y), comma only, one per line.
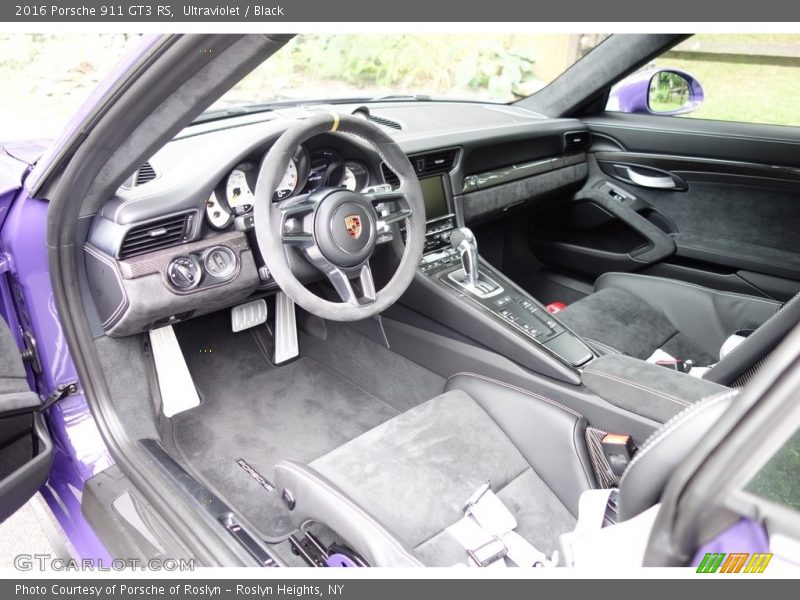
(219,262)
(244,223)
(184,273)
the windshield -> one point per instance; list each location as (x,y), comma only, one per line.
(46,77)
(482,67)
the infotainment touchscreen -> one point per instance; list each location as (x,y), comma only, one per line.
(433,191)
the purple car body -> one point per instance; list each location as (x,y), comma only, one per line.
(26,293)
(79,451)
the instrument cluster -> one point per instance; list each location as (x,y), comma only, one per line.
(308,170)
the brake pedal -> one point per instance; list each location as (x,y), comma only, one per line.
(248,315)
(286,346)
(174,380)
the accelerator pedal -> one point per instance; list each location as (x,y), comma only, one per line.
(286,346)
(174,380)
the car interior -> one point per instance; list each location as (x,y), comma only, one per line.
(339,325)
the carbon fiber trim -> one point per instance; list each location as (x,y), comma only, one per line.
(602,470)
(156,262)
(745,377)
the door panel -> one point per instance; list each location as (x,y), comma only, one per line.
(726,195)
(686,137)
(734,219)
(604,228)
(26,451)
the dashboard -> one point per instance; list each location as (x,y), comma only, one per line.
(177,240)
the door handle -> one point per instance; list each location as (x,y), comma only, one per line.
(662,183)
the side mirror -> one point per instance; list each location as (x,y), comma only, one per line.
(659,92)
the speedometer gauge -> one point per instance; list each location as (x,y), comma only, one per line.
(289,182)
(237,190)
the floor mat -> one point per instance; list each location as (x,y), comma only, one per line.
(263,414)
(399,382)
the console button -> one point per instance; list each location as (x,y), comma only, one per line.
(502,301)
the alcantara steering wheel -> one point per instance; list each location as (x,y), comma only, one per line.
(336,229)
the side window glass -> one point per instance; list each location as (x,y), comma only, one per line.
(749,78)
(779,479)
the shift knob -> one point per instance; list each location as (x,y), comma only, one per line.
(463,241)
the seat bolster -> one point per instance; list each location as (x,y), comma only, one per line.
(646,476)
(756,346)
(317,499)
(707,317)
(548,434)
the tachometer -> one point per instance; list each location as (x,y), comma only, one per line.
(289,182)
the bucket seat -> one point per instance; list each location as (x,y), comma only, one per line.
(637,315)
(397,493)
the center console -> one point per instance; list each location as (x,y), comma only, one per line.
(451,261)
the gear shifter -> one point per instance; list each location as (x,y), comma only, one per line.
(463,241)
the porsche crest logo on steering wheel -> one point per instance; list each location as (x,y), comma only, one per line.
(353,225)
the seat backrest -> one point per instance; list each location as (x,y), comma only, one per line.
(647,475)
(742,362)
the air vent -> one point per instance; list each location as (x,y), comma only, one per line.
(389,176)
(577,141)
(145,173)
(435,162)
(384,121)
(424,164)
(162,233)
(363,111)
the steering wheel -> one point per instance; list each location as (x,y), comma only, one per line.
(335,229)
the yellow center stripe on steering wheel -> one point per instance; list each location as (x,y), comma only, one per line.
(335,125)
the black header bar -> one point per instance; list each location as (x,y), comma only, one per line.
(440,11)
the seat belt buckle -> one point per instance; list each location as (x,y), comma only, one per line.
(488,553)
(678,364)
(618,449)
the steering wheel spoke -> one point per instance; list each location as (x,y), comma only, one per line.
(342,281)
(392,207)
(296,221)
